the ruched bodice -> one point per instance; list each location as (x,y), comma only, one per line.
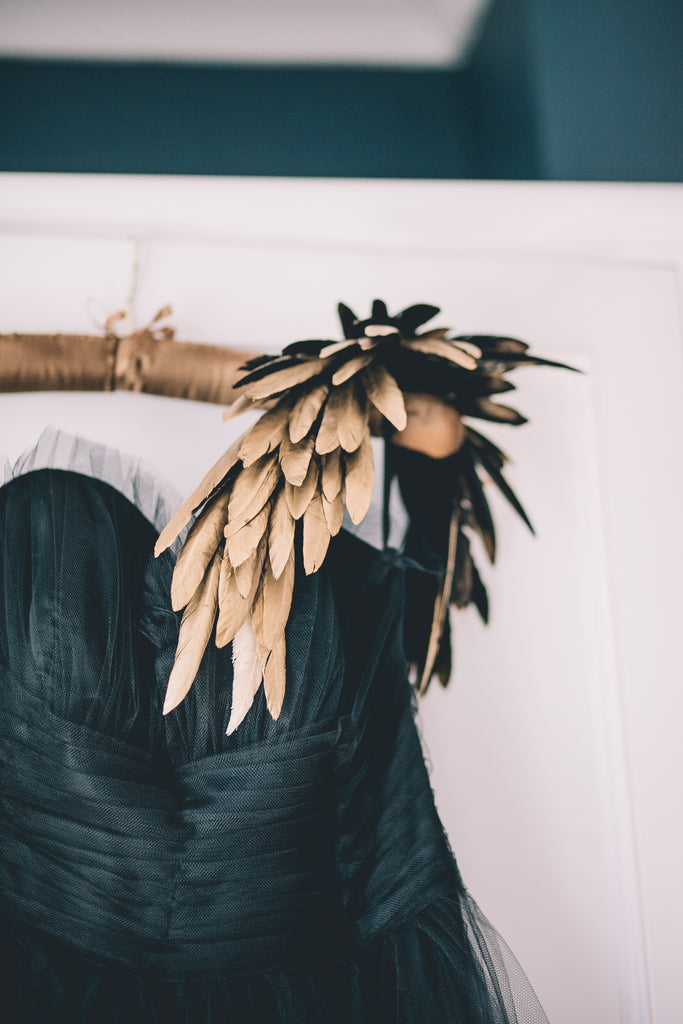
(157,868)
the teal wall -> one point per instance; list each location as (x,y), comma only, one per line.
(155,119)
(609,87)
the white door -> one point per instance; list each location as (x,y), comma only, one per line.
(555,752)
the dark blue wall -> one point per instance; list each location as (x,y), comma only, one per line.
(609,87)
(502,90)
(166,119)
(559,89)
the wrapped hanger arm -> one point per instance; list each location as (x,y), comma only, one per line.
(141,362)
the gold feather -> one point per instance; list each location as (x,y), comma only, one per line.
(295,459)
(266,433)
(436,332)
(233,609)
(467,346)
(379,331)
(352,417)
(198,550)
(385,394)
(252,489)
(500,413)
(305,412)
(368,343)
(263,651)
(248,574)
(442,603)
(298,498)
(316,535)
(257,619)
(247,674)
(359,480)
(444,350)
(244,540)
(240,405)
(195,630)
(198,497)
(275,678)
(277,601)
(332,474)
(282,380)
(327,438)
(336,346)
(351,367)
(334,512)
(280,534)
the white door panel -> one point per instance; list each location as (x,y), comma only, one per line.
(554,752)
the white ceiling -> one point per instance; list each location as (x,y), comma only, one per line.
(430,33)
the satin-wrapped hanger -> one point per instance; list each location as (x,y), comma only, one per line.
(149,360)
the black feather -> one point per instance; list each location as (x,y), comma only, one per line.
(380,314)
(505,489)
(251,364)
(480,598)
(306,348)
(349,321)
(413,317)
(489,453)
(443,665)
(481,513)
(508,361)
(494,343)
(461,592)
(265,369)
(496,413)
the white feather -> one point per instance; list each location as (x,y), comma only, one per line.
(247,674)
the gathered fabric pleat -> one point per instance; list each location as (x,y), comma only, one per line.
(156,869)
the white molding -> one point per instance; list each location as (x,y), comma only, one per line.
(642,222)
(627,895)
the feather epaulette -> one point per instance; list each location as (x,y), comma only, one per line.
(308,460)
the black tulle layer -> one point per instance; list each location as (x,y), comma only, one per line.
(155,868)
(447,964)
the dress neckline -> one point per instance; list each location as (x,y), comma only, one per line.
(135,479)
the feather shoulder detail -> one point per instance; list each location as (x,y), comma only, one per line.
(307,460)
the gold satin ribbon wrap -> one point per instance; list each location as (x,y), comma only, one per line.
(148,361)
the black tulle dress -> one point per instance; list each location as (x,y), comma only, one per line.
(154,869)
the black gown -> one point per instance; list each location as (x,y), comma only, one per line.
(155,869)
